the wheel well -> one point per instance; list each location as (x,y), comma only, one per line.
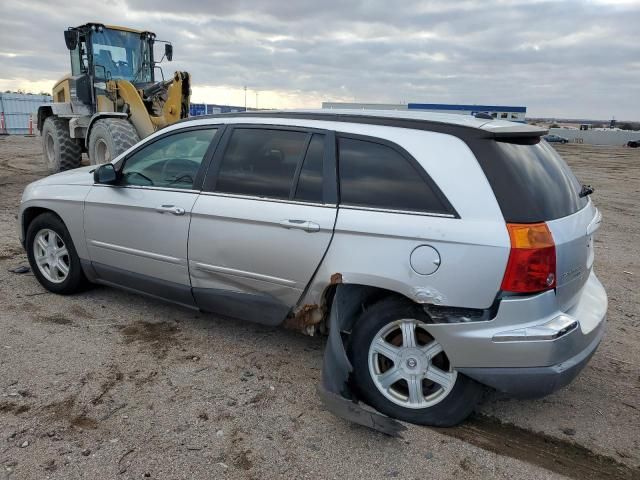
(43,113)
(29,216)
(365,295)
(360,297)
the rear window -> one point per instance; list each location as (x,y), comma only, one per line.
(532,183)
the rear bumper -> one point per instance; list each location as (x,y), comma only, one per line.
(533,382)
(513,352)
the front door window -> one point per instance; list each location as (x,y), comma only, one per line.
(170,162)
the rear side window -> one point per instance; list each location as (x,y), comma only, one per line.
(261,162)
(531,182)
(378,176)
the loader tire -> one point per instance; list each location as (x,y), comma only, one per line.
(60,151)
(110,137)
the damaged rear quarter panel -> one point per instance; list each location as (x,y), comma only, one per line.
(374,248)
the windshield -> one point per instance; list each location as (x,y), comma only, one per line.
(121,55)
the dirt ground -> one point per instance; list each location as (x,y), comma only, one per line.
(107,384)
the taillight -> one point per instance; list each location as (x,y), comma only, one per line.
(532,260)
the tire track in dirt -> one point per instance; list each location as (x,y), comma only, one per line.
(551,453)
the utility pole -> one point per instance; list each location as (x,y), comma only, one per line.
(245,98)
(256,99)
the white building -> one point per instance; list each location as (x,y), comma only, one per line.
(502,112)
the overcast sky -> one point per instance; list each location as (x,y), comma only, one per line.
(564,59)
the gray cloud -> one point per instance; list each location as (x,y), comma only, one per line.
(566,58)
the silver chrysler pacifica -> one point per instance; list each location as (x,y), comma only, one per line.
(442,254)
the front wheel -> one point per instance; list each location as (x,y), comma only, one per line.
(52,255)
(403,372)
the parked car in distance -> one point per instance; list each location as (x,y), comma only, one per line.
(633,143)
(447,282)
(551,138)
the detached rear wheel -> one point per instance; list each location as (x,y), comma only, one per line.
(109,138)
(403,372)
(60,151)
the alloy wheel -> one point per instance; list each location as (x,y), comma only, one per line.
(408,366)
(51,256)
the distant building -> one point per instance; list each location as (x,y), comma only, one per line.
(197,109)
(364,106)
(501,112)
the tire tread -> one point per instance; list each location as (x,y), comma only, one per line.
(70,151)
(122,133)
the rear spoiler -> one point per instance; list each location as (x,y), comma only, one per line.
(505,130)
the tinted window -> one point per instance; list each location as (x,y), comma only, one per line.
(261,162)
(376,175)
(532,183)
(172,161)
(310,181)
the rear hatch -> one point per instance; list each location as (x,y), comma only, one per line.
(533,184)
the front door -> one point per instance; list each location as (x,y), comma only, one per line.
(137,230)
(263,222)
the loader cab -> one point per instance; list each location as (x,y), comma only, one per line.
(111,53)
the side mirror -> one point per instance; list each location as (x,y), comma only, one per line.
(105,174)
(168,51)
(71,39)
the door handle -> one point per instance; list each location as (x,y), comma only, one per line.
(305,225)
(170,209)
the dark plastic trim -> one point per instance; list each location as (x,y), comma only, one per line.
(258,308)
(140,283)
(429,125)
(335,387)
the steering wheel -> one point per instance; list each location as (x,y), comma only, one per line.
(144,177)
(183,169)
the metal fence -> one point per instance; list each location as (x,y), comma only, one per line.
(18,112)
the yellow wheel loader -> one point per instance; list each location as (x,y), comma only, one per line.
(112,97)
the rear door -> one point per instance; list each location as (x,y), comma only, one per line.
(263,222)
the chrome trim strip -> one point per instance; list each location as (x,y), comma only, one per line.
(266,199)
(205,267)
(551,330)
(138,253)
(389,210)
